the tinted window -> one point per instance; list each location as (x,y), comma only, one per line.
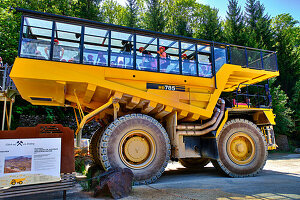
(146,58)
(220,57)
(36,38)
(95,50)
(121,50)
(67,42)
(188,54)
(204,60)
(169,56)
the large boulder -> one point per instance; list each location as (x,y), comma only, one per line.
(116,183)
(282,142)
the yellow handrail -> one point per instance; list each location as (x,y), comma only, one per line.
(92,114)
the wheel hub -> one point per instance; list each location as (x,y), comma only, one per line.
(137,149)
(241,148)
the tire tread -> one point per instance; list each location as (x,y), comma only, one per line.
(219,165)
(107,133)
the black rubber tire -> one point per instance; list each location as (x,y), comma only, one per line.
(229,168)
(94,147)
(113,134)
(194,163)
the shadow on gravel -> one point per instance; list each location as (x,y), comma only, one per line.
(283,156)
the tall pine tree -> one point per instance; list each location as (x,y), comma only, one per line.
(234,30)
(179,16)
(208,25)
(154,17)
(131,14)
(88,9)
(258,25)
(286,30)
(112,12)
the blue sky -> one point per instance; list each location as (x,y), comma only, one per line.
(273,7)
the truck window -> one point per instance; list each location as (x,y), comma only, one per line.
(95,49)
(67,43)
(121,50)
(36,37)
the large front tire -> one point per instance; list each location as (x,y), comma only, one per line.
(138,142)
(242,149)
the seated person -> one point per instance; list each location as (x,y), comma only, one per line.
(204,69)
(100,59)
(113,64)
(90,60)
(121,64)
(186,65)
(1,62)
(149,61)
(127,48)
(207,71)
(58,51)
(164,61)
(30,47)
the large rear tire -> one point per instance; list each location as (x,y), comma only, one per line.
(94,147)
(194,163)
(242,149)
(138,142)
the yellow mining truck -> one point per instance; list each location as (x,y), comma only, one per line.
(157,96)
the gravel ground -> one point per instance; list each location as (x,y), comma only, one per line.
(280,179)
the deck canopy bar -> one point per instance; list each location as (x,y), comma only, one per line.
(67,39)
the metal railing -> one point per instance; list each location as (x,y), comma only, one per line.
(257,96)
(253,58)
(6,82)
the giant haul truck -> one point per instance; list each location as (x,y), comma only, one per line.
(158,97)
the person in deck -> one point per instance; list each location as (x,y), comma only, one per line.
(148,60)
(1,62)
(163,59)
(30,47)
(100,59)
(90,60)
(188,66)
(208,72)
(127,48)
(185,65)
(56,51)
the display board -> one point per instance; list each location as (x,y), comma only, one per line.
(29,161)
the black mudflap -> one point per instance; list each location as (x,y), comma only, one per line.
(205,145)
(209,148)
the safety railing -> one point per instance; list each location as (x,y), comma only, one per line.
(5,81)
(250,95)
(253,58)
